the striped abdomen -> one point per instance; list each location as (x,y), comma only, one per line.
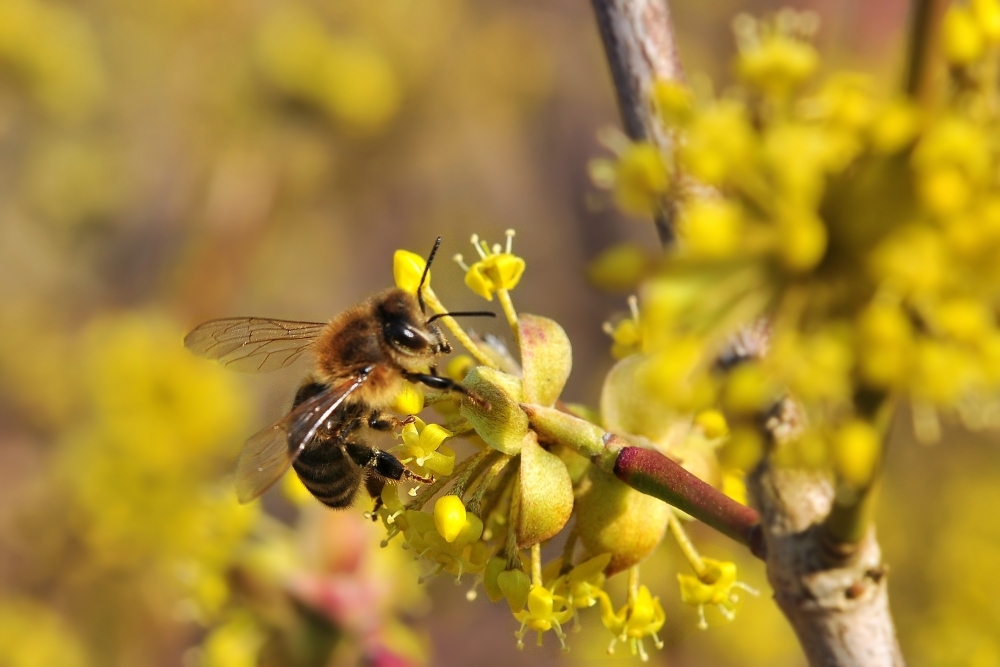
(327,467)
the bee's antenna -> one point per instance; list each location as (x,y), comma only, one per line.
(427,268)
(463,313)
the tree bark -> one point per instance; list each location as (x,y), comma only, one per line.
(835,598)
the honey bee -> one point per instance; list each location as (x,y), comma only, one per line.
(363,356)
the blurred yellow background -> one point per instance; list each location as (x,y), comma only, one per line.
(168,161)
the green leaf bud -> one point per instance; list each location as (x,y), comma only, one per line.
(546,493)
(515,586)
(546,356)
(501,423)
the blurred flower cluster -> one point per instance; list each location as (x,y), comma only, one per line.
(160,161)
(845,253)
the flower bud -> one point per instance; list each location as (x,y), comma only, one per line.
(615,518)
(471,531)
(546,357)
(502,423)
(494,568)
(546,493)
(449,517)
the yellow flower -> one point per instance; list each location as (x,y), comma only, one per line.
(712,423)
(777,65)
(987,13)
(711,228)
(674,102)
(409,400)
(585,582)
(641,179)
(719,143)
(422,449)
(714,586)
(458,557)
(962,39)
(626,336)
(642,616)
(497,269)
(620,267)
(856,452)
(408,269)
(544,612)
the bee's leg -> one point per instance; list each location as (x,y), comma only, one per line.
(380,422)
(445,384)
(374,485)
(379,463)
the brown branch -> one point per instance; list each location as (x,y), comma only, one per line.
(639,42)
(925,22)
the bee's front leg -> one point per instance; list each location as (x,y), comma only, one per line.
(445,384)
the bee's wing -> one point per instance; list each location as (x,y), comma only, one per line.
(252,344)
(268,454)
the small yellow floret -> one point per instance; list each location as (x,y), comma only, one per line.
(674,102)
(895,126)
(801,240)
(884,345)
(714,586)
(544,612)
(620,267)
(641,617)
(711,228)
(459,367)
(641,179)
(409,400)
(987,13)
(856,451)
(720,143)
(422,449)
(497,269)
(777,65)
(712,423)
(962,38)
(408,269)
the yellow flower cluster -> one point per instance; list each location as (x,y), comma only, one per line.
(491,512)
(51,48)
(349,80)
(863,229)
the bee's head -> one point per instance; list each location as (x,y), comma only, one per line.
(405,329)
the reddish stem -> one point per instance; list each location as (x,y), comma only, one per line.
(652,473)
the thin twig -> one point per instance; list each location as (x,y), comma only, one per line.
(639,42)
(925,21)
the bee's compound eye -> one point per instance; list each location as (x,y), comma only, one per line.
(402,335)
